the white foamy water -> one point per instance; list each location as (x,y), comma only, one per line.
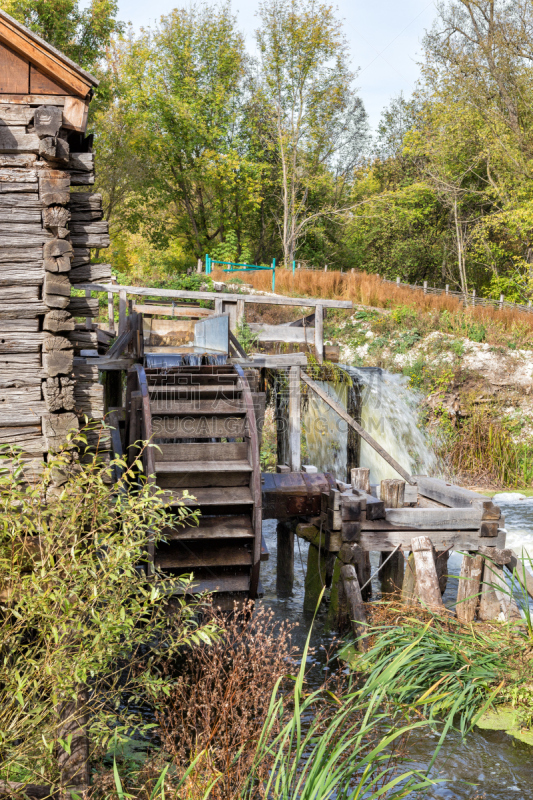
(390,413)
(326,434)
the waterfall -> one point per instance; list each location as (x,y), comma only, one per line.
(389,413)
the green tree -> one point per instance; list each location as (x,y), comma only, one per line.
(80,31)
(317,122)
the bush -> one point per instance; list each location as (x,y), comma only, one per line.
(82,629)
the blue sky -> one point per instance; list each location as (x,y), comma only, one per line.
(383,35)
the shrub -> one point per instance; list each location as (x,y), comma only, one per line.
(81,628)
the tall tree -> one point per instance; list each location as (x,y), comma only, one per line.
(318,123)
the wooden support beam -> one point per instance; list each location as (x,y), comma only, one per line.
(294,419)
(122,305)
(361,479)
(469,585)
(392,493)
(319,332)
(426,573)
(278,300)
(362,433)
(356,608)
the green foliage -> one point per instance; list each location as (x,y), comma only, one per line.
(448,671)
(82,628)
(231,250)
(247,338)
(81,31)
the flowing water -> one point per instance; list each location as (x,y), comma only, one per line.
(389,413)
(488,764)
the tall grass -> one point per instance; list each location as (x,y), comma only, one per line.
(449,671)
(364,288)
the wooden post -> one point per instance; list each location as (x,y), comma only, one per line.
(110,312)
(218,305)
(489,605)
(398,280)
(426,573)
(447,289)
(353,440)
(294,419)
(199,266)
(409,593)
(74,766)
(285,559)
(501,302)
(122,304)
(392,493)
(468,589)
(356,609)
(425,287)
(240,313)
(282,419)
(319,332)
(361,479)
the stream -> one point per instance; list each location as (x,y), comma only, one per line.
(488,764)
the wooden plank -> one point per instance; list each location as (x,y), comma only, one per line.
(196,407)
(355,425)
(202,451)
(173,311)
(20,342)
(15,293)
(356,609)
(14,72)
(21,274)
(428,518)
(27,198)
(90,272)
(32,99)
(75,114)
(98,240)
(201,554)
(237,583)
(80,201)
(212,528)
(228,496)
(19,325)
(294,417)
(305,302)
(203,426)
(15,174)
(442,540)
(15,114)
(190,467)
(455,496)
(83,307)
(18,215)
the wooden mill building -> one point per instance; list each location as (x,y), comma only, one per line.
(49,221)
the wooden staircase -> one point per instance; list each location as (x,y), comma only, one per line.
(203,421)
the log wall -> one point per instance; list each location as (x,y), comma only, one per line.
(49,221)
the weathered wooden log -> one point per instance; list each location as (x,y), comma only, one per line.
(13,375)
(455,496)
(47,120)
(57,247)
(17,326)
(361,479)
(86,201)
(34,791)
(97,240)
(468,591)
(57,320)
(83,306)
(19,200)
(54,188)
(16,115)
(100,227)
(56,284)
(17,292)
(82,178)
(21,274)
(16,215)
(55,217)
(23,395)
(60,264)
(426,574)
(56,428)
(29,438)
(14,139)
(59,393)
(74,763)
(81,162)
(84,340)
(18,241)
(89,273)
(356,609)
(16,175)
(82,255)
(22,310)
(489,605)
(496,554)
(55,150)
(392,492)
(58,362)
(20,342)
(17,189)
(86,214)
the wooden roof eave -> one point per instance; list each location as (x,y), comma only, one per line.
(45,57)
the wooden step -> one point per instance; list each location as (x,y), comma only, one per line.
(190,467)
(213,528)
(214,496)
(181,393)
(223,583)
(207,426)
(203,451)
(203,554)
(161,408)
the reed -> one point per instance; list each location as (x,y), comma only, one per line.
(367,289)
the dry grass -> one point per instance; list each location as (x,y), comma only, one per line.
(367,289)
